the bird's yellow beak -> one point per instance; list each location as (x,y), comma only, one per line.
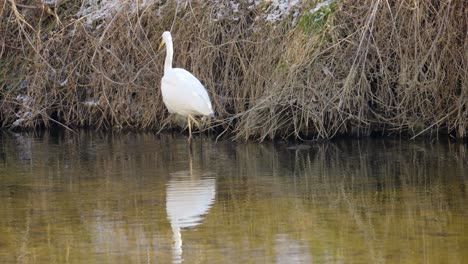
(161,45)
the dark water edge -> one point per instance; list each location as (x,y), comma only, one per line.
(219,133)
(103,197)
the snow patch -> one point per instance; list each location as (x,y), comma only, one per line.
(320,5)
(24,99)
(91,103)
(226,10)
(271,11)
(278,10)
(23,114)
(18,122)
(22,117)
(49,2)
(96,10)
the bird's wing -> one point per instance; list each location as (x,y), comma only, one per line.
(192,82)
(185,93)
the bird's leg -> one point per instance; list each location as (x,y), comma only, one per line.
(196,122)
(189,129)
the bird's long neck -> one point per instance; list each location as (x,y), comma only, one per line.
(169,55)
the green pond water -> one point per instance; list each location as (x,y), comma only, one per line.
(146,198)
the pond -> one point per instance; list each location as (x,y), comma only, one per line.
(145,198)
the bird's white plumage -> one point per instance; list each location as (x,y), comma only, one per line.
(182,92)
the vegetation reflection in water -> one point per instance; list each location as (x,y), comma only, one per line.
(134,198)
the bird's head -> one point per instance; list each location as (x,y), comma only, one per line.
(166,38)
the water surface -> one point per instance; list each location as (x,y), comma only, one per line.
(145,198)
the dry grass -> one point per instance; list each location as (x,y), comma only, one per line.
(365,67)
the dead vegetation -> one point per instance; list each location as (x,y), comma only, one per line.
(358,67)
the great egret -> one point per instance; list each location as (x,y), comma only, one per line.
(182,92)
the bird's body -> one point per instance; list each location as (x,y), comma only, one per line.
(182,93)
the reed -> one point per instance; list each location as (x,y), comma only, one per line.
(354,68)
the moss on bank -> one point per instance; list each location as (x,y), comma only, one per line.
(352,67)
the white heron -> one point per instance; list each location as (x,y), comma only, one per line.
(182,92)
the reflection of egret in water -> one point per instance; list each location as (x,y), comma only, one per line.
(189,197)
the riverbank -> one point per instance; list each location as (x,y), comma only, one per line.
(273,70)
